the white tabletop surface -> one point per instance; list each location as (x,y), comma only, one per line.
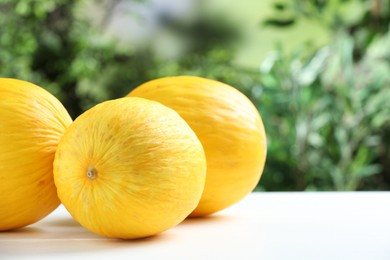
(327,225)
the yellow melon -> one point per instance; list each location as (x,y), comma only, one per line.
(32,122)
(129,168)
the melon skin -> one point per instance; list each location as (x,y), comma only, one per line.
(32,122)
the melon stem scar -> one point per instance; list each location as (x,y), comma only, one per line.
(91,173)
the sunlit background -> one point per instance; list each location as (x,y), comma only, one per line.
(317,70)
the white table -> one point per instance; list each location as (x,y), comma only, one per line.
(263,226)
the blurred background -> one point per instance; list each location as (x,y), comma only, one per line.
(317,70)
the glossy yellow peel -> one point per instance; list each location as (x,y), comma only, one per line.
(229,127)
(129,168)
(32,122)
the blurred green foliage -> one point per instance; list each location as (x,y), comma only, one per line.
(325,109)
(331,116)
(331,107)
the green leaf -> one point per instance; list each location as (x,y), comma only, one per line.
(23,7)
(368,170)
(279,22)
